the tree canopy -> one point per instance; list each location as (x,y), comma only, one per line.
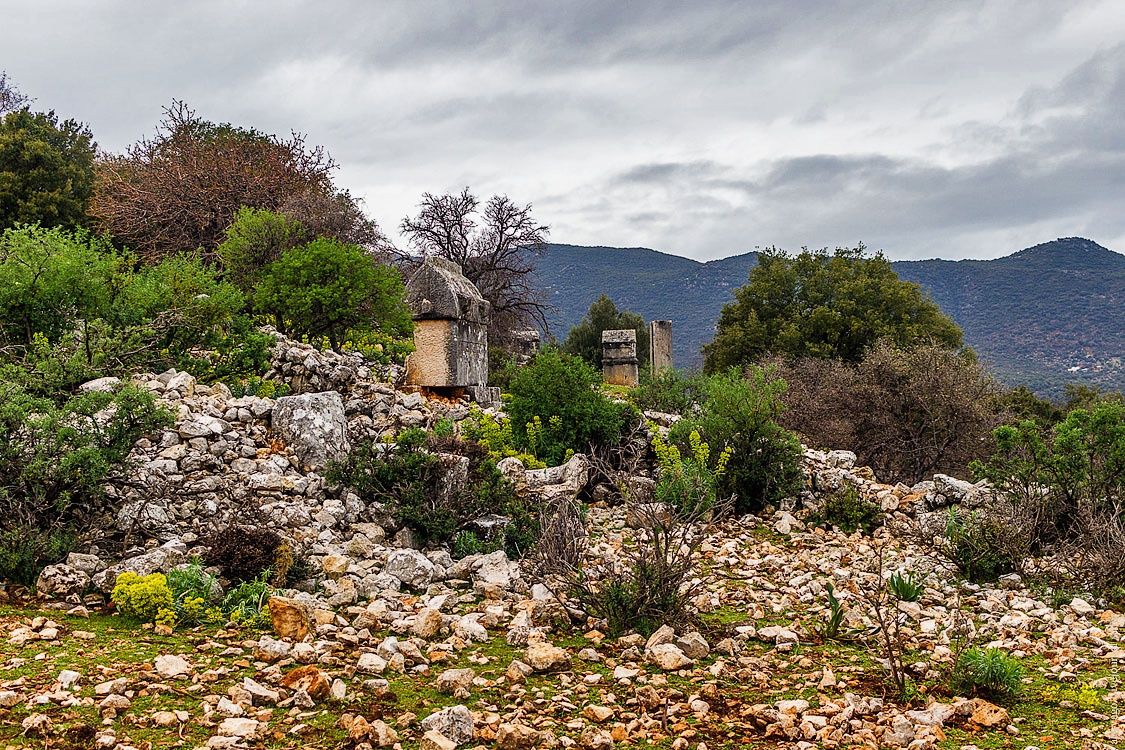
(46,169)
(180,189)
(828,305)
(585,339)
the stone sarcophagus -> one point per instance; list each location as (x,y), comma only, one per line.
(450,330)
(619,357)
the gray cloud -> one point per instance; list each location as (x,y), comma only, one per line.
(967,128)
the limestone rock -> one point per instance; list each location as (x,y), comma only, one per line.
(668,656)
(290,618)
(544,657)
(427,623)
(314,426)
(310,679)
(172,666)
(516,737)
(61,581)
(455,723)
(454,681)
(411,567)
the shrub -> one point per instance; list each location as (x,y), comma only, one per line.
(256,238)
(144,598)
(410,479)
(689,483)
(905,586)
(830,629)
(907,413)
(656,578)
(326,287)
(991,672)
(246,604)
(670,391)
(977,544)
(55,459)
(48,279)
(1068,485)
(556,385)
(242,551)
(739,413)
(24,551)
(502,367)
(849,512)
(497,438)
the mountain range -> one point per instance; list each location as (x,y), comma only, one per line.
(1045,316)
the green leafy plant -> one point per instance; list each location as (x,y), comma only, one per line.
(905,587)
(829,630)
(145,598)
(849,512)
(327,288)
(990,672)
(739,413)
(496,437)
(978,545)
(409,477)
(689,482)
(560,386)
(669,391)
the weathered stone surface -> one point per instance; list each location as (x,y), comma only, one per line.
(450,330)
(668,656)
(619,358)
(313,425)
(61,581)
(455,723)
(660,344)
(454,681)
(516,737)
(290,618)
(100,385)
(411,567)
(544,657)
(170,665)
(310,679)
(427,623)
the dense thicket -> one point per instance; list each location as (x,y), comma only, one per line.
(179,190)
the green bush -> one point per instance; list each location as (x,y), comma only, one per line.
(978,545)
(849,512)
(739,413)
(991,672)
(24,551)
(560,389)
(670,391)
(585,339)
(54,460)
(905,586)
(256,238)
(144,598)
(49,278)
(688,483)
(326,287)
(407,476)
(502,368)
(498,438)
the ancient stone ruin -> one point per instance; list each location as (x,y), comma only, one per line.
(450,333)
(660,344)
(619,357)
(525,345)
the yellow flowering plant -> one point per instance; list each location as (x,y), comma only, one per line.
(688,482)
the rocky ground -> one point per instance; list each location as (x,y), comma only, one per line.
(473,662)
(388,645)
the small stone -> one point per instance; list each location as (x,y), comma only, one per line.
(544,657)
(171,666)
(516,737)
(436,741)
(290,618)
(454,723)
(239,727)
(310,679)
(597,714)
(455,681)
(371,663)
(668,656)
(594,738)
(427,623)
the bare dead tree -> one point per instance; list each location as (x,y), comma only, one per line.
(499,256)
(11,98)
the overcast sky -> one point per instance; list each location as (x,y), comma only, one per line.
(925,129)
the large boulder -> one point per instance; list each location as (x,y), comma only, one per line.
(495,568)
(61,581)
(455,723)
(313,425)
(411,567)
